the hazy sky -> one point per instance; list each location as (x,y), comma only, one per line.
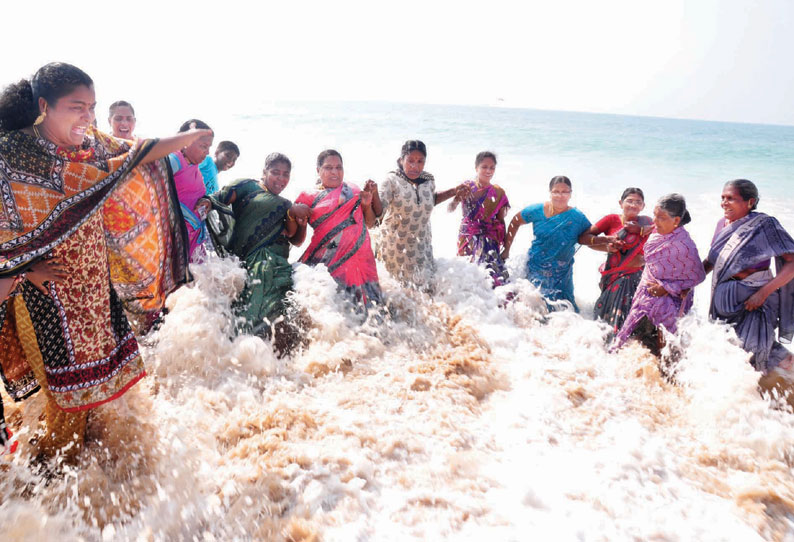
(707,59)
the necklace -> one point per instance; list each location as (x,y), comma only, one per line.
(553,211)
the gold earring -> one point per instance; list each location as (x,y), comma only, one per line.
(40,118)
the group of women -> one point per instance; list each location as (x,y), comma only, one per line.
(652,264)
(96,229)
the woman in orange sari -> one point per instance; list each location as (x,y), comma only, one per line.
(99,219)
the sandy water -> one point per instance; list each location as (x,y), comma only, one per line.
(457,420)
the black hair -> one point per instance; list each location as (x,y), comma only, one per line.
(199,124)
(227,146)
(632,190)
(326,154)
(410,146)
(19,102)
(120,103)
(675,206)
(747,190)
(482,156)
(560,179)
(276,158)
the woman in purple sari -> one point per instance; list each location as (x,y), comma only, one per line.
(672,269)
(744,292)
(482,229)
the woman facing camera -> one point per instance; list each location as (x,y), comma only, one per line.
(265,225)
(122,120)
(556,227)
(102,212)
(744,291)
(482,229)
(408,195)
(626,234)
(672,269)
(340,214)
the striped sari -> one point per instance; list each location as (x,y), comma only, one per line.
(341,241)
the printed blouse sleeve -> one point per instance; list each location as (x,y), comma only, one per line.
(386,192)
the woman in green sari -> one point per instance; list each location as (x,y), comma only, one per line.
(265,224)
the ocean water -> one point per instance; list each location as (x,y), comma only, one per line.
(459,418)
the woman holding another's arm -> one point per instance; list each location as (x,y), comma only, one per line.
(408,196)
(556,227)
(672,269)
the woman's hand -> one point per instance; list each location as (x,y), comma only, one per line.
(657,290)
(365,197)
(300,212)
(462,192)
(371,187)
(202,208)
(632,227)
(756,300)
(45,271)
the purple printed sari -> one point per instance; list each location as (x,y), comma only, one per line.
(482,232)
(672,261)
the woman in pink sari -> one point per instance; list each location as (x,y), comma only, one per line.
(340,214)
(190,187)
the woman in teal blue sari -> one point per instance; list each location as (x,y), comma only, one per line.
(265,224)
(556,227)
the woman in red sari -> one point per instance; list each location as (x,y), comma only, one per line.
(625,238)
(340,215)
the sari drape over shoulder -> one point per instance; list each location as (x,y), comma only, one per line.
(258,240)
(550,263)
(672,261)
(619,278)
(749,244)
(341,241)
(482,232)
(116,226)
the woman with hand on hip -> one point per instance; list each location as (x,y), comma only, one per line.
(744,291)
(103,212)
